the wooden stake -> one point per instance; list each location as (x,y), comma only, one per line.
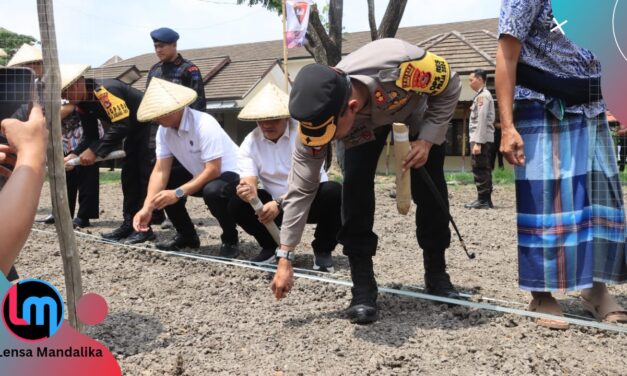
(285,47)
(56,170)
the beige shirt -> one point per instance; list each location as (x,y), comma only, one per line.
(376,65)
(481,124)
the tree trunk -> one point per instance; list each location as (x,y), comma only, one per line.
(392,18)
(371,20)
(56,170)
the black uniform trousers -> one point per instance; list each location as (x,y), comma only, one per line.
(358,203)
(83,183)
(136,169)
(325,211)
(482,171)
(216,195)
(495,150)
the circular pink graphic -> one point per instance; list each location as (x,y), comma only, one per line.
(91,309)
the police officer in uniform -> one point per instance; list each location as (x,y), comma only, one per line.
(385,81)
(174,68)
(113,101)
(481,129)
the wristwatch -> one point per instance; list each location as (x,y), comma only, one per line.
(279,202)
(279,253)
(179,193)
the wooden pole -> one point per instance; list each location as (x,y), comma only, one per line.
(285,47)
(56,170)
(466,114)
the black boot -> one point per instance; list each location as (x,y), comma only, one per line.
(121,232)
(363,307)
(179,241)
(437,281)
(483,202)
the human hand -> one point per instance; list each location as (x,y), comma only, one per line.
(8,158)
(164,198)
(88,157)
(418,154)
(269,212)
(512,146)
(283,279)
(245,191)
(27,138)
(476,149)
(141,221)
(69,157)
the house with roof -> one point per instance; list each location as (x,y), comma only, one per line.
(234,74)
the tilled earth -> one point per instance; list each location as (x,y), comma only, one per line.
(176,316)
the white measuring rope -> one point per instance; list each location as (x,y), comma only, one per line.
(405,293)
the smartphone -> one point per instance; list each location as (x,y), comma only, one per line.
(17,89)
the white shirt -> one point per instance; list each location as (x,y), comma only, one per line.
(198,140)
(270,162)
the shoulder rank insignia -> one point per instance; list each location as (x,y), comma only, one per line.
(115,107)
(429,75)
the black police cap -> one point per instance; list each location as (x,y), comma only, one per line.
(318,96)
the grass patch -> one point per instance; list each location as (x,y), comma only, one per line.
(110,177)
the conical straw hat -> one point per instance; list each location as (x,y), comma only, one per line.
(269,104)
(163,98)
(70,73)
(26,54)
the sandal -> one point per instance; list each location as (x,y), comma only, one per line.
(607,310)
(548,305)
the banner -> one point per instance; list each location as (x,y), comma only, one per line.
(297,16)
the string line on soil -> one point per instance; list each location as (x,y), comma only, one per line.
(393,291)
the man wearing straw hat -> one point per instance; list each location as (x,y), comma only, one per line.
(113,101)
(174,68)
(385,81)
(30,57)
(265,156)
(208,161)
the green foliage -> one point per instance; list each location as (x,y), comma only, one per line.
(272,5)
(10,42)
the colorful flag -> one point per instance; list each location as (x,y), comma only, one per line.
(297,15)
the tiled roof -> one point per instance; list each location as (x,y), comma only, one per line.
(116,71)
(274,49)
(237,78)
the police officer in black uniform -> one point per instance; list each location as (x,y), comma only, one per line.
(115,102)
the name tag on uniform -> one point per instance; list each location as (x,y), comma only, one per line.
(429,75)
(115,107)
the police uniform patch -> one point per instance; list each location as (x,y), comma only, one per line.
(379,96)
(429,75)
(115,107)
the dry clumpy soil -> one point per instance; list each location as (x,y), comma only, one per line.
(173,316)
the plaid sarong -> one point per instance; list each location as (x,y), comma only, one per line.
(570,212)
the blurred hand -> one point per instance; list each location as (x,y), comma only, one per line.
(245,191)
(476,149)
(68,158)
(29,137)
(269,212)
(164,198)
(418,154)
(7,158)
(283,279)
(512,146)
(88,157)
(141,221)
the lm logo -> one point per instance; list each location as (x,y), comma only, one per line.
(32,310)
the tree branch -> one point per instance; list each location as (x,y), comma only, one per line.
(392,18)
(371,20)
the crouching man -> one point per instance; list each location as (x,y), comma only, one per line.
(265,157)
(208,161)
